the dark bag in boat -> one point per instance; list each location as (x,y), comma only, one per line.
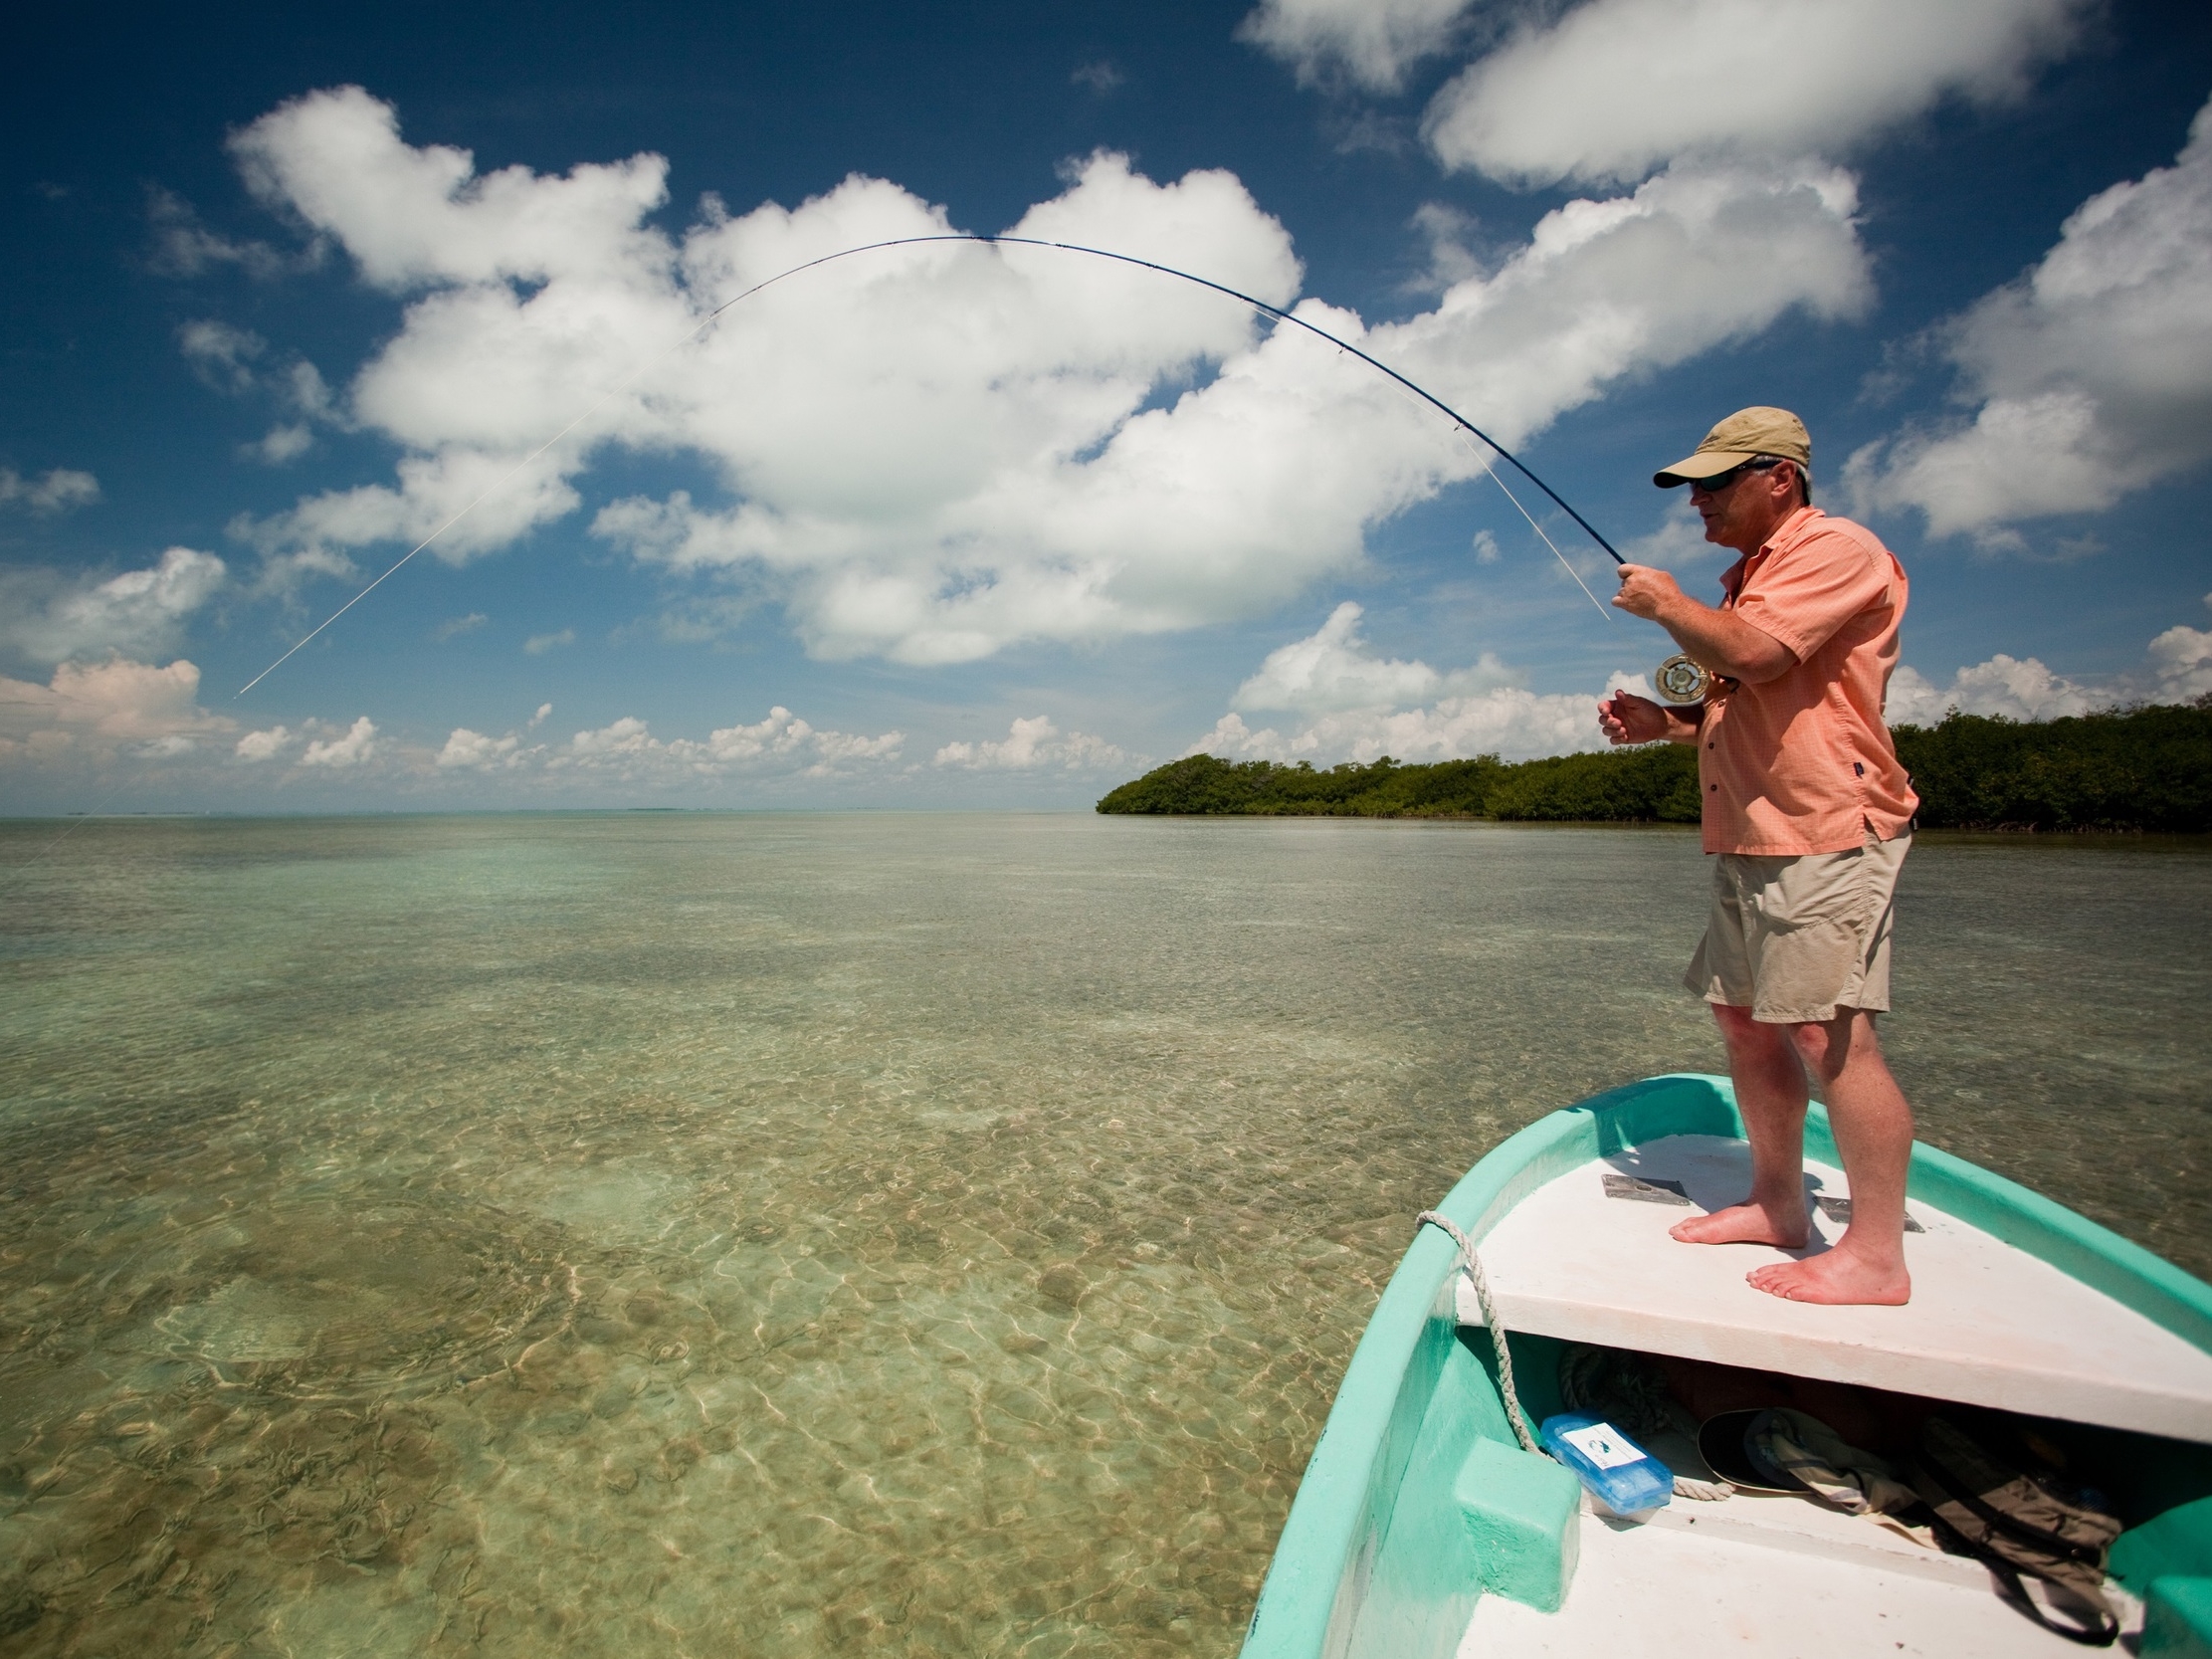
(2001,1503)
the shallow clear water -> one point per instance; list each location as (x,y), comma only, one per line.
(855,1234)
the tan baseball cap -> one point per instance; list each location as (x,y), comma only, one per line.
(1744,435)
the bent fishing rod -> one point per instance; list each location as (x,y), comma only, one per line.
(716,316)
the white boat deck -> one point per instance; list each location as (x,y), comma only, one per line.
(1781,1577)
(1988,1323)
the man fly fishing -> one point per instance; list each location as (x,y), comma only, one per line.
(1810,815)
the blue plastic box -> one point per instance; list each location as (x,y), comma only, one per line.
(1618,1472)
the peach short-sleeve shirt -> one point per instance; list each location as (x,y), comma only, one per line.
(1804,763)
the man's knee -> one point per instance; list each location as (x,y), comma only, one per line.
(1814,1043)
(1825,1045)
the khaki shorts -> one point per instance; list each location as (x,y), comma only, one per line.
(1795,938)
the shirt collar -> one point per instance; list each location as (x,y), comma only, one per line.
(1786,536)
(1791,530)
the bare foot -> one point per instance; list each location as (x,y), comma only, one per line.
(1745,1225)
(1835,1276)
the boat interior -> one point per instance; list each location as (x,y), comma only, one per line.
(1425,1525)
(1581,1266)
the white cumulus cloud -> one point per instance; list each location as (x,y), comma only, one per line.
(1371,42)
(49,617)
(2176,668)
(473,751)
(1354,706)
(356,745)
(626,749)
(930,453)
(1030,744)
(2180,660)
(226,358)
(267,744)
(2018,688)
(1332,669)
(2092,374)
(221,355)
(285,441)
(1507,720)
(1617,87)
(105,706)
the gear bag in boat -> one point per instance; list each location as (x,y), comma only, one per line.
(1995,1498)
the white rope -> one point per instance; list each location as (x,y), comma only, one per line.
(1506,1390)
(1703,1492)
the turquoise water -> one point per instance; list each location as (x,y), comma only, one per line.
(849,1234)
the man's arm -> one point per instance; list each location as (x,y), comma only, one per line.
(1721,640)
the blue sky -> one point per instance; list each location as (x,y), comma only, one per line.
(956,527)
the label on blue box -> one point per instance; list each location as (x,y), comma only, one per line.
(1602,1446)
(1619,1473)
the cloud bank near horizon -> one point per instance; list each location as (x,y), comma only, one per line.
(1343,700)
(1036,744)
(1355,706)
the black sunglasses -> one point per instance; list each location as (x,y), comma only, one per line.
(1721,481)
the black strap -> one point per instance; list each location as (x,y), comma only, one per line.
(2105,1634)
(2027,1531)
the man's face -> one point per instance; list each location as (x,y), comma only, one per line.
(1747,508)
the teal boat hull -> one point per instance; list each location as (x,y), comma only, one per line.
(1377,1560)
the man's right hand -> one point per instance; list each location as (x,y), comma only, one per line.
(1625,718)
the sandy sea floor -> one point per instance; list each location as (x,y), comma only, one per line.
(865,1234)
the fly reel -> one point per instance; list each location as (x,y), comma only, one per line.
(1681,680)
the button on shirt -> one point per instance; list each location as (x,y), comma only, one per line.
(1804,763)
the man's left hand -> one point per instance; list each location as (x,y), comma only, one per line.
(1625,718)
(1646,591)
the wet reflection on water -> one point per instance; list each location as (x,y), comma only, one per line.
(848,1234)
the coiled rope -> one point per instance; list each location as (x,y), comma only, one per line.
(1707,1492)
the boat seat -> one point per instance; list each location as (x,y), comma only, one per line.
(1988,1322)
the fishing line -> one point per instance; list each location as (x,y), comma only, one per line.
(709,320)
(1604,609)
(1491,472)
